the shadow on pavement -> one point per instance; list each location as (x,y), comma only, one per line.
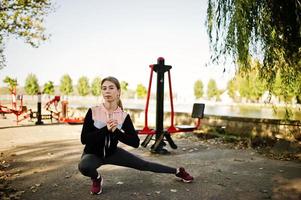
(48,170)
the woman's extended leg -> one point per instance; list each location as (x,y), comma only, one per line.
(124,158)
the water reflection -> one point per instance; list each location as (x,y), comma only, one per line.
(266,112)
(239,110)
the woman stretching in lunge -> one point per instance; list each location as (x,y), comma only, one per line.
(104,126)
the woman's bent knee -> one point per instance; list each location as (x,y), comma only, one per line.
(86,170)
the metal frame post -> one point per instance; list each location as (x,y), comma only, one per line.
(160,68)
(39,112)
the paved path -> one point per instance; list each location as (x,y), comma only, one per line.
(43,165)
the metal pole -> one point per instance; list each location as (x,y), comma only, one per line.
(39,112)
(160,96)
(148,97)
(160,68)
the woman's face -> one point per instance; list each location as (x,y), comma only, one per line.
(109,91)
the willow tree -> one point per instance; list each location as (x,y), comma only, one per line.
(266,29)
(22,19)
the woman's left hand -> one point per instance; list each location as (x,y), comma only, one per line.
(112,125)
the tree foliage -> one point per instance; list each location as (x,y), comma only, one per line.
(12,83)
(48,88)
(96,86)
(231,87)
(198,89)
(31,85)
(141,91)
(124,85)
(212,90)
(83,87)
(22,19)
(267,29)
(66,86)
(297,90)
(283,92)
(250,86)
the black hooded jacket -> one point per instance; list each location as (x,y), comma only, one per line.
(102,142)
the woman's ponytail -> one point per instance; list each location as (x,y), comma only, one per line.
(119,103)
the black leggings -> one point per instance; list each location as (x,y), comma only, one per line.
(90,162)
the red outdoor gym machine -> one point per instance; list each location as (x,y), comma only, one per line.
(198,112)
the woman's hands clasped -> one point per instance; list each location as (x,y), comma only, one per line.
(112,125)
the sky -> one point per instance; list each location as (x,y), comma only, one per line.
(119,38)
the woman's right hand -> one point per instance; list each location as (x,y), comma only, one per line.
(112,125)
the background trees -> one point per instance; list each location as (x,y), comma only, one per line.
(66,87)
(241,88)
(48,88)
(198,89)
(231,88)
(249,85)
(298,89)
(31,85)
(12,83)
(212,90)
(124,86)
(141,91)
(83,87)
(96,87)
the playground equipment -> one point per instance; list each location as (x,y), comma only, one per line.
(55,113)
(198,112)
(17,108)
(22,112)
(67,119)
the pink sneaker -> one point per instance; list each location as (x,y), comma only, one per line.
(96,187)
(185,177)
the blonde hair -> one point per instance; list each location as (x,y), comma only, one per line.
(117,84)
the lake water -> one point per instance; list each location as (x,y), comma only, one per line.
(265,112)
(238,110)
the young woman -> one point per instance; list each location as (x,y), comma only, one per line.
(104,126)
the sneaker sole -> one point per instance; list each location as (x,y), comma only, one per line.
(186,181)
(92,193)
